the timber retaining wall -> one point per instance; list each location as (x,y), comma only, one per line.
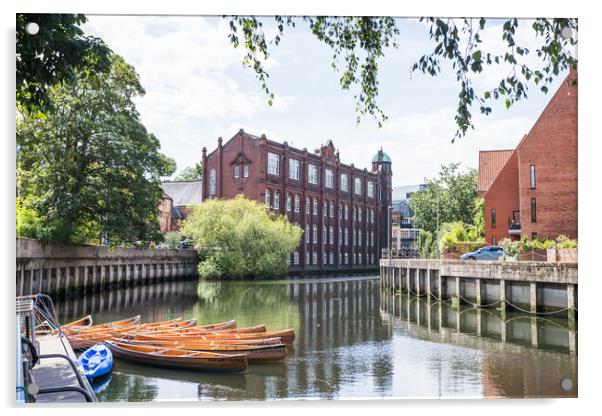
(65,270)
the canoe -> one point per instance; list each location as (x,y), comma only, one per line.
(222,325)
(175,337)
(85,321)
(248,330)
(124,323)
(286,336)
(254,353)
(96,361)
(178,358)
(175,324)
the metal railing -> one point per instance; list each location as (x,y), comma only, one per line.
(35,313)
(400,253)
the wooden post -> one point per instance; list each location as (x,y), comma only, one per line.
(57,288)
(534,340)
(102,276)
(428,284)
(408,286)
(418,281)
(76,276)
(478,291)
(49,283)
(440,285)
(533,297)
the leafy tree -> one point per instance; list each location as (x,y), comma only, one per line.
(89,167)
(191,173)
(361,43)
(59,52)
(239,238)
(448,197)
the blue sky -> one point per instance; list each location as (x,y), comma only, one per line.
(197,90)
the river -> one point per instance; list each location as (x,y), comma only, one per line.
(353,341)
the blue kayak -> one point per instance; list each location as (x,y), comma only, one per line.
(96,361)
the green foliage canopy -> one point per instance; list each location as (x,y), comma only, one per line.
(191,173)
(453,192)
(88,167)
(361,43)
(59,52)
(239,238)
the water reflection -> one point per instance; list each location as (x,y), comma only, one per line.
(352,341)
(523,356)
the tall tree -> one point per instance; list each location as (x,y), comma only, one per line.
(58,52)
(449,197)
(89,167)
(191,173)
(361,42)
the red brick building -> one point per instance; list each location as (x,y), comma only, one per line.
(342,209)
(532,190)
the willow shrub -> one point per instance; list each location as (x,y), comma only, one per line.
(239,238)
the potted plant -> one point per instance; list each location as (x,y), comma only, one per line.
(511,249)
(566,249)
(550,247)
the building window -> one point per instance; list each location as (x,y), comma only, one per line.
(331,235)
(267,198)
(315,206)
(346,236)
(245,171)
(359,237)
(354,214)
(359,213)
(344,182)
(307,257)
(533,236)
(212,182)
(329,178)
(340,211)
(532,179)
(340,236)
(276,200)
(307,205)
(346,211)
(533,210)
(236,172)
(346,257)
(359,258)
(331,255)
(354,232)
(325,209)
(296,257)
(331,209)
(358,186)
(315,234)
(370,189)
(314,257)
(294,169)
(307,233)
(297,203)
(493,222)
(312,174)
(324,258)
(324,236)
(288,202)
(273,164)
(372,216)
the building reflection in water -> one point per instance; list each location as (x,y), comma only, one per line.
(523,356)
(352,341)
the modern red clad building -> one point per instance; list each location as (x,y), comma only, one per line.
(342,209)
(532,190)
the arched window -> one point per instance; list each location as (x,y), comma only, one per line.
(315,206)
(296,203)
(307,233)
(267,198)
(288,202)
(276,200)
(315,234)
(212,182)
(307,205)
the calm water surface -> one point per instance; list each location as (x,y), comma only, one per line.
(352,341)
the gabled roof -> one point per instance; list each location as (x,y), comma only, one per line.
(491,163)
(183,193)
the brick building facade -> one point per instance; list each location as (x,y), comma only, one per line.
(535,192)
(342,209)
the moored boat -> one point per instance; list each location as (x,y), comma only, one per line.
(121,324)
(255,353)
(96,361)
(178,358)
(286,336)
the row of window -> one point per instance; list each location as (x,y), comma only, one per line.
(533,213)
(294,172)
(311,257)
(311,235)
(293,204)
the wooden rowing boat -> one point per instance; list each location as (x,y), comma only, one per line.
(86,321)
(175,324)
(248,330)
(221,326)
(174,337)
(286,336)
(255,353)
(121,324)
(178,358)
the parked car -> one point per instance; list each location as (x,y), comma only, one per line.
(484,253)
